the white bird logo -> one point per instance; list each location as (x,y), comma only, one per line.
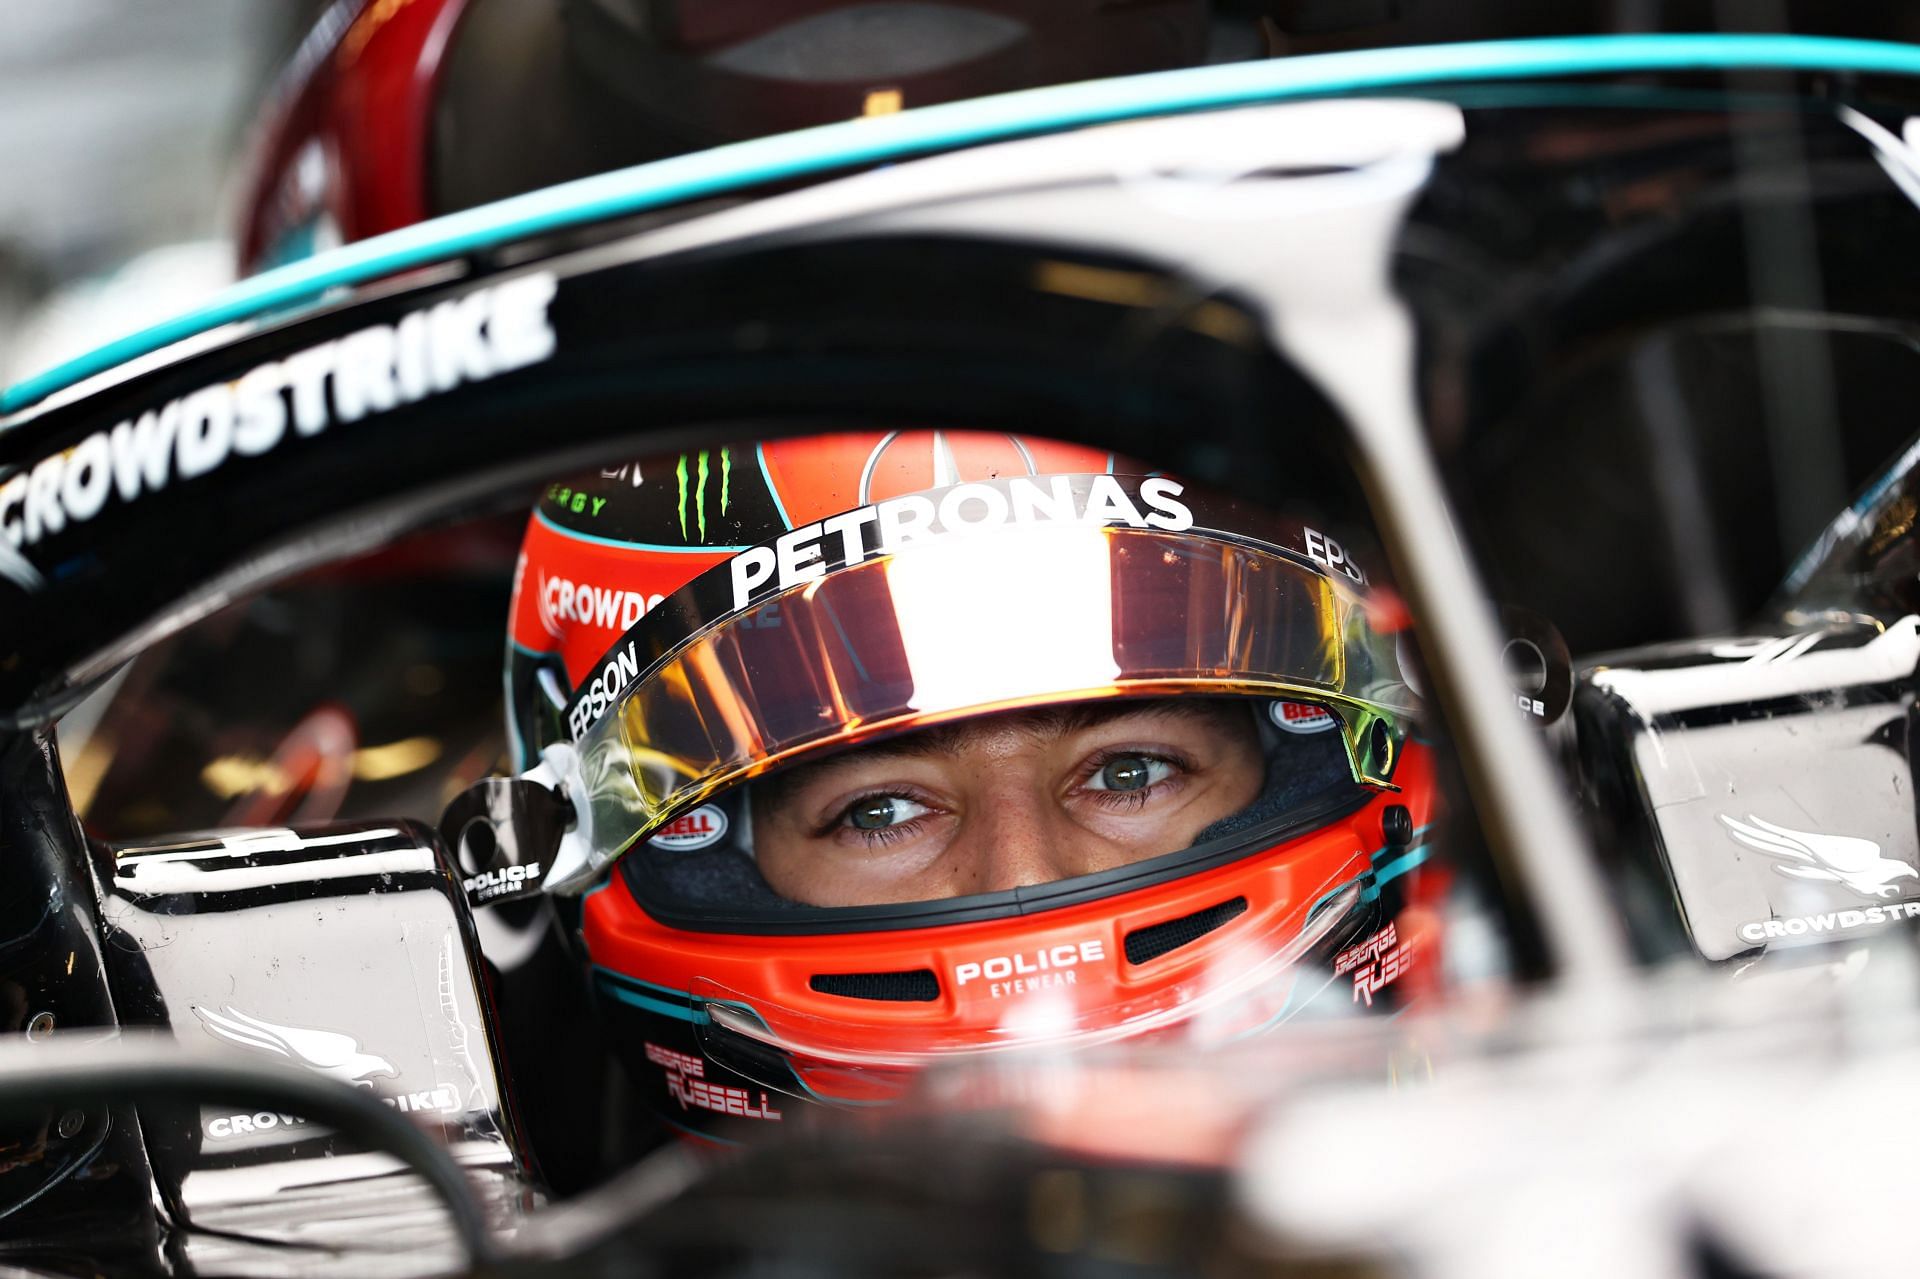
(1837,859)
(324,1051)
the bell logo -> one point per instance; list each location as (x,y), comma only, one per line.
(1301,717)
(705,825)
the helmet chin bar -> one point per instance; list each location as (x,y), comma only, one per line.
(726,1017)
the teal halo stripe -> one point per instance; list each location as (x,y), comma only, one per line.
(853,143)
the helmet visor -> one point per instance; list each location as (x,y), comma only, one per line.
(953,626)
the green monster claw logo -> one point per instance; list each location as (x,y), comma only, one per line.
(700,489)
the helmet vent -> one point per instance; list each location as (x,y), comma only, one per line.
(918,986)
(1155,940)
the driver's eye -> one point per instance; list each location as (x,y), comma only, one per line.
(1129,772)
(877,812)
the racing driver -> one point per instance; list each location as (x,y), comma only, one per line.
(883,749)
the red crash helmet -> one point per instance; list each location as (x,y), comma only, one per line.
(750,668)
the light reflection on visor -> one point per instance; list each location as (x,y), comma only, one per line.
(973,624)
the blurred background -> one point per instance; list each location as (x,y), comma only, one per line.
(125,127)
(122,127)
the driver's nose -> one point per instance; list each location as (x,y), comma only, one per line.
(1019,839)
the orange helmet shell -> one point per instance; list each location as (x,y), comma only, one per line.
(725,1024)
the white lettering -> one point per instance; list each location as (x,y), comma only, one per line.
(953,507)
(519,331)
(141,449)
(565,601)
(797,552)
(1108,503)
(411,377)
(488,331)
(1054,504)
(1324,550)
(1158,492)
(495,883)
(12,494)
(1763,930)
(363,378)
(618,671)
(307,376)
(1382,970)
(259,412)
(1031,985)
(456,343)
(43,498)
(89,478)
(1038,969)
(848,525)
(800,555)
(903,521)
(223,1127)
(687,1084)
(750,568)
(206,431)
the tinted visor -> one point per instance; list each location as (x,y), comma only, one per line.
(955,626)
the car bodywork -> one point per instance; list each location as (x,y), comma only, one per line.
(1005,280)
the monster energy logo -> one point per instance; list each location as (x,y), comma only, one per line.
(700,489)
